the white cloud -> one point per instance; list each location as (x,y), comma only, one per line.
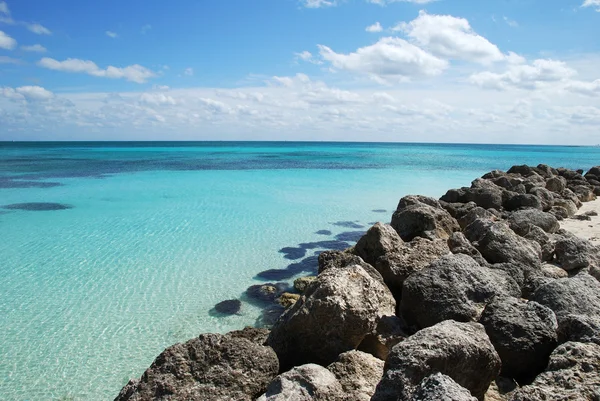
(9,60)
(592,3)
(584,88)
(111,34)
(38,29)
(34,48)
(4,8)
(450,37)
(318,3)
(34,93)
(390,59)
(376,27)
(157,99)
(511,22)
(386,2)
(525,76)
(6,42)
(133,73)
(307,57)
(188,72)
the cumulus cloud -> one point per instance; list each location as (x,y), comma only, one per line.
(390,59)
(134,73)
(38,29)
(592,3)
(451,38)
(376,27)
(30,93)
(584,88)
(525,76)
(111,34)
(34,48)
(318,3)
(6,42)
(157,99)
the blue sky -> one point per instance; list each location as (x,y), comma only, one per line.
(518,71)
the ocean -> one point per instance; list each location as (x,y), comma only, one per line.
(111,252)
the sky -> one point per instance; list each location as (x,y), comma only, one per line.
(501,71)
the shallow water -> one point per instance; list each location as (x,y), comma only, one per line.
(155,234)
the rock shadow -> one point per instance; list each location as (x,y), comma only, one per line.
(37,206)
(348,224)
(226,308)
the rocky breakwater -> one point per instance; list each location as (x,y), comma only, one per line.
(479,295)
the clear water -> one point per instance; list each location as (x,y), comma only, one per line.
(160,232)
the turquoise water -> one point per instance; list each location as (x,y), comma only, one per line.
(158,233)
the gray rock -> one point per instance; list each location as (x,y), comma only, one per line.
(577,295)
(556,184)
(358,373)
(579,328)
(439,387)
(577,253)
(381,239)
(457,210)
(487,197)
(573,374)
(568,205)
(520,220)
(417,219)
(522,201)
(414,256)
(210,367)
(545,196)
(559,212)
(305,383)
(461,351)
(523,333)
(301,283)
(473,214)
(390,331)
(333,316)
(453,287)
(547,242)
(585,193)
(411,200)
(458,243)
(523,170)
(497,243)
(594,171)
(343,259)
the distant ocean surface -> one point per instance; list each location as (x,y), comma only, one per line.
(141,240)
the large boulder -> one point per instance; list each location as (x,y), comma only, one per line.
(573,374)
(499,244)
(308,382)
(461,351)
(417,254)
(577,253)
(453,287)
(522,201)
(333,316)
(577,295)
(381,239)
(458,243)
(523,333)
(545,196)
(358,374)
(210,367)
(344,259)
(556,184)
(441,387)
(568,205)
(390,331)
(417,219)
(520,220)
(488,197)
(547,242)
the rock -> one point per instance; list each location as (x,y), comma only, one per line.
(582,217)
(343,259)
(523,170)
(523,201)
(545,196)
(567,204)
(228,307)
(523,333)
(422,220)
(497,243)
(489,197)
(288,299)
(573,374)
(556,184)
(304,383)
(301,283)
(461,351)
(358,373)
(265,293)
(500,389)
(458,243)
(269,316)
(547,242)
(591,213)
(416,255)
(210,367)
(545,170)
(594,171)
(457,210)
(579,328)
(519,221)
(552,271)
(381,239)
(252,334)
(453,287)
(333,316)
(389,332)
(570,175)
(577,295)
(585,193)
(559,212)
(577,253)
(441,387)
(473,214)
